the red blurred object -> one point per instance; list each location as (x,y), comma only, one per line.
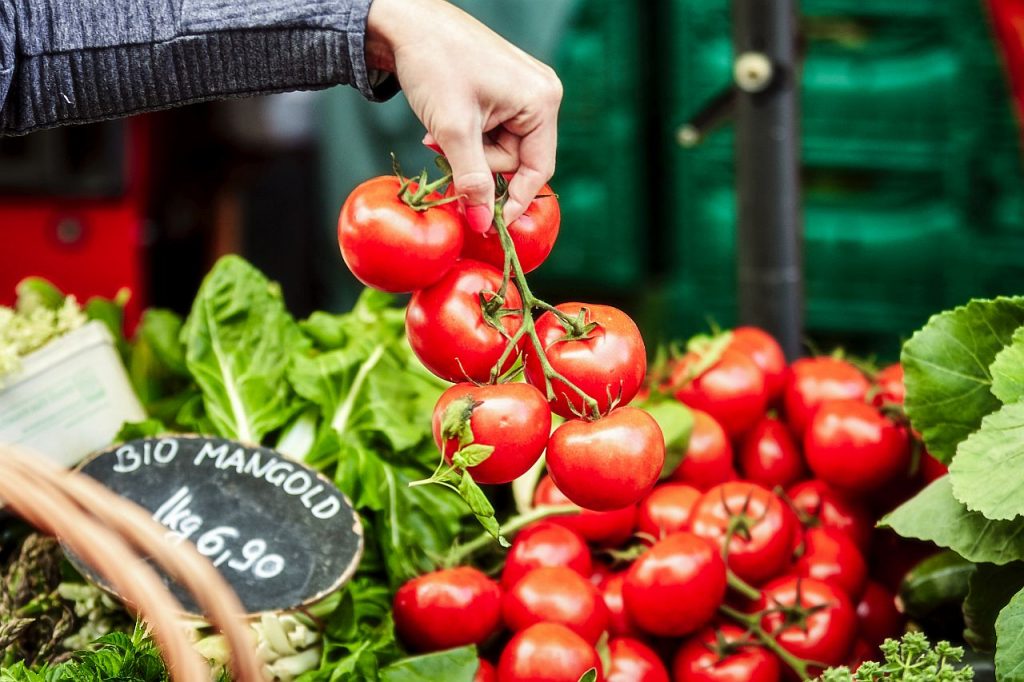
(1008,19)
(86,245)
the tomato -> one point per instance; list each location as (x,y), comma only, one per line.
(599,573)
(769,456)
(931,468)
(446,609)
(533,234)
(667,509)
(833,557)
(889,385)
(634,661)
(862,652)
(547,652)
(675,587)
(556,594)
(763,529)
(512,418)
(732,390)
(812,381)
(485,673)
(610,463)
(852,446)
(608,363)
(724,654)
(766,353)
(545,544)
(446,327)
(619,624)
(708,458)
(607,528)
(827,629)
(877,614)
(388,245)
(820,505)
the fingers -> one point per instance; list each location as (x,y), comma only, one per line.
(471,174)
(536,166)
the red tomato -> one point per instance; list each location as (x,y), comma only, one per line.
(862,652)
(819,505)
(812,381)
(931,468)
(703,659)
(607,364)
(600,573)
(619,624)
(826,632)
(533,234)
(732,390)
(889,384)
(447,329)
(388,245)
(634,661)
(877,614)
(760,545)
(667,509)
(602,528)
(485,673)
(512,418)
(447,609)
(766,353)
(676,587)
(547,652)
(610,463)
(851,446)
(708,458)
(556,594)
(545,544)
(833,557)
(769,456)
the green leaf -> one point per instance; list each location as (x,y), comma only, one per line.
(991,587)
(946,370)
(455,422)
(676,422)
(1010,641)
(1008,370)
(988,470)
(471,455)
(934,515)
(589,676)
(453,665)
(239,341)
(481,507)
(36,292)
(144,429)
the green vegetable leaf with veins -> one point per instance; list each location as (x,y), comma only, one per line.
(1008,370)
(453,665)
(988,470)
(1010,638)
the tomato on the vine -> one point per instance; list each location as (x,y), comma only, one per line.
(545,544)
(834,558)
(889,386)
(533,234)
(812,381)
(877,615)
(708,458)
(766,353)
(634,661)
(448,608)
(820,505)
(726,653)
(619,624)
(810,619)
(667,509)
(732,390)
(769,456)
(556,594)
(608,528)
(447,329)
(753,521)
(850,445)
(675,587)
(609,463)
(607,361)
(486,672)
(547,652)
(514,419)
(391,246)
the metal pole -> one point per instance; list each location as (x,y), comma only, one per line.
(770,224)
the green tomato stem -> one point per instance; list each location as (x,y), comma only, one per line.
(516,523)
(743,587)
(753,624)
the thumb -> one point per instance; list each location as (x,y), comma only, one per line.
(471,175)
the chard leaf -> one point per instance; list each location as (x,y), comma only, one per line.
(453,665)
(1010,641)
(988,470)
(946,370)
(1008,370)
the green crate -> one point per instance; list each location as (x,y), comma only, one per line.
(991,265)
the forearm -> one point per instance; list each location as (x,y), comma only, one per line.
(72,61)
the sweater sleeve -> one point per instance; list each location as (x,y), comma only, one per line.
(73,61)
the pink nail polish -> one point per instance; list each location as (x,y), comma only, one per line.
(479,217)
(427,142)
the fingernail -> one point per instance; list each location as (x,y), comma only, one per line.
(512,211)
(479,217)
(430,143)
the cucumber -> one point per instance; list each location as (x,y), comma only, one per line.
(940,580)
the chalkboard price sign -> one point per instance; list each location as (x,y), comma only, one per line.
(280,533)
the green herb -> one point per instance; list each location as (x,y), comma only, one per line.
(912,659)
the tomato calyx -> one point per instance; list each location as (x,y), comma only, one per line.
(414,193)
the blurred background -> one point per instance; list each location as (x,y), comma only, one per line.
(913,186)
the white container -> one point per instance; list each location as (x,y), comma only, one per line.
(69,398)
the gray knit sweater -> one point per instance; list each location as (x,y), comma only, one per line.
(72,61)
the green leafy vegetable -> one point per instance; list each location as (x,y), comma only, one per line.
(912,659)
(1008,370)
(991,587)
(453,665)
(676,422)
(1010,635)
(998,446)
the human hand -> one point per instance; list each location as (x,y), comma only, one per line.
(490,107)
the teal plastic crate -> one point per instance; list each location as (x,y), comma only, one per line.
(991,265)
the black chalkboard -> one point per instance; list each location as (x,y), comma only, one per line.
(280,533)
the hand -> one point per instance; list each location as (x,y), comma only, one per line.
(491,107)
